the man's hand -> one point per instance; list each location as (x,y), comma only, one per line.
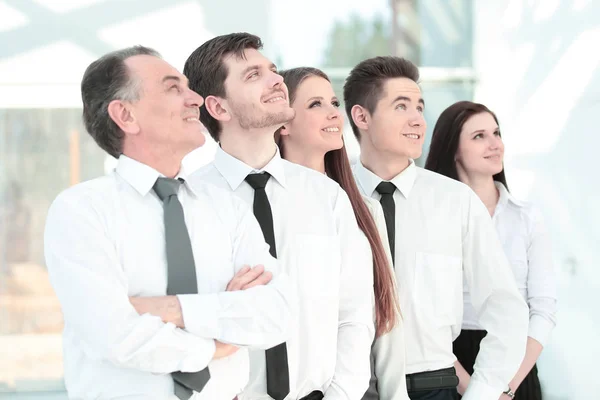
(247,278)
(463,378)
(167,308)
(224,350)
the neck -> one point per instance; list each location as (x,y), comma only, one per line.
(253,147)
(314,160)
(384,165)
(167,161)
(484,187)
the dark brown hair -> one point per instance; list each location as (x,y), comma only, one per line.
(338,168)
(107,79)
(207,72)
(446,135)
(365,84)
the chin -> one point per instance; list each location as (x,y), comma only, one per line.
(414,154)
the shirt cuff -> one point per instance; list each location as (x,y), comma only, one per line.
(478,390)
(201,314)
(199,360)
(540,329)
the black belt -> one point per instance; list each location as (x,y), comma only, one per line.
(316,395)
(432,380)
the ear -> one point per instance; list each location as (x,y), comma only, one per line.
(284,130)
(122,115)
(216,107)
(360,117)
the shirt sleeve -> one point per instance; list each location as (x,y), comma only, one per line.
(389,353)
(501,310)
(92,289)
(356,328)
(259,317)
(541,281)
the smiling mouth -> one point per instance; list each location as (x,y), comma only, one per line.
(192,119)
(331,129)
(496,156)
(275,99)
(412,135)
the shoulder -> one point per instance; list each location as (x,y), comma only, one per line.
(310,182)
(220,199)
(528,214)
(93,193)
(373,205)
(442,184)
(90,202)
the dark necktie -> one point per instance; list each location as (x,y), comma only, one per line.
(278,376)
(181,273)
(386,190)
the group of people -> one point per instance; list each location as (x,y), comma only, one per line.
(279,270)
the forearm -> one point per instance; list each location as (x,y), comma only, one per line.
(352,369)
(532,353)
(463,377)
(258,317)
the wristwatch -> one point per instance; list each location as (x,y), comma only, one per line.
(509,393)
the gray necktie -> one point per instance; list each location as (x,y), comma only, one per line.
(181,271)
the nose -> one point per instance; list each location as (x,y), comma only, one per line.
(334,113)
(495,142)
(417,120)
(194,99)
(276,79)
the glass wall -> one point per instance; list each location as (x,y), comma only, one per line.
(42,151)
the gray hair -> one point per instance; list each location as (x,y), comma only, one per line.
(105,80)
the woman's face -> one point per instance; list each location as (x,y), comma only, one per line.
(480,147)
(318,124)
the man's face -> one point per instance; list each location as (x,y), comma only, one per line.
(397,125)
(256,96)
(167,112)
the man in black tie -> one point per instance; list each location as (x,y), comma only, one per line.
(440,236)
(154,276)
(305,217)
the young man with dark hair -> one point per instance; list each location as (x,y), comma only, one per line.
(306,218)
(441,235)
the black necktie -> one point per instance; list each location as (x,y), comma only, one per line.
(181,271)
(278,376)
(386,190)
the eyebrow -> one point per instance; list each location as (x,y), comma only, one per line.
(483,130)
(320,98)
(404,98)
(256,67)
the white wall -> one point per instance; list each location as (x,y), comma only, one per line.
(539,68)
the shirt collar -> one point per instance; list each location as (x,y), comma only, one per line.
(235,171)
(141,176)
(404,181)
(505,197)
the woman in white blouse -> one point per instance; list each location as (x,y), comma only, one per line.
(314,139)
(467,146)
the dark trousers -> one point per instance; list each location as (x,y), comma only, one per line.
(436,394)
(466,348)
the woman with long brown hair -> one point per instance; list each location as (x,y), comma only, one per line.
(314,139)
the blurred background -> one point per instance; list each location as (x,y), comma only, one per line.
(531,61)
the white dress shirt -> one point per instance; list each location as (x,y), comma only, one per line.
(105,241)
(444,232)
(527,246)
(322,250)
(399,352)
